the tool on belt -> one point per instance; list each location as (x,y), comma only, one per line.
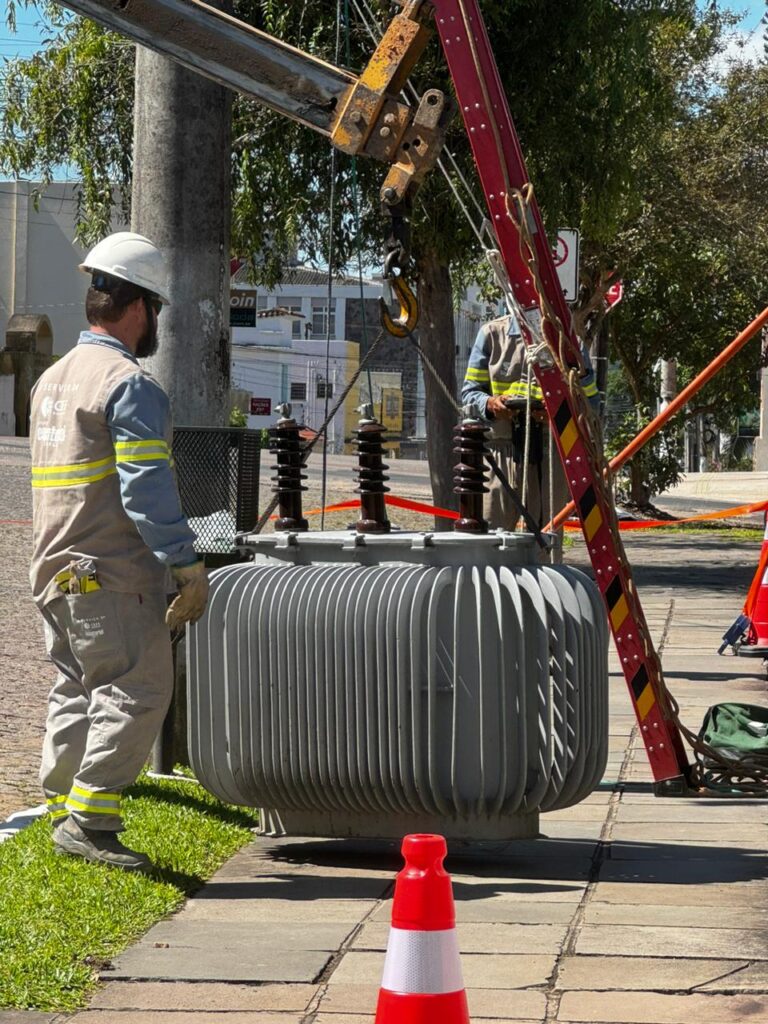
(78,578)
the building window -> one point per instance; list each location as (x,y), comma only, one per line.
(320,318)
(298,391)
(324,390)
(293,304)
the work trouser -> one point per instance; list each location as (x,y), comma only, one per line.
(115,681)
(499,509)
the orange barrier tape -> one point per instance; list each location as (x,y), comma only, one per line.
(628,524)
(390,499)
(649,524)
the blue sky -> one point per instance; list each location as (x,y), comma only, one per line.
(28,36)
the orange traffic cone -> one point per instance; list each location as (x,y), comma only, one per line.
(756,608)
(422,981)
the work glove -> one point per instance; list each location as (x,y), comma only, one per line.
(190,602)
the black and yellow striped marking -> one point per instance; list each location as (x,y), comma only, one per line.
(566,428)
(618,608)
(589,511)
(642,691)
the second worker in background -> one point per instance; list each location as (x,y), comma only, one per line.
(500,387)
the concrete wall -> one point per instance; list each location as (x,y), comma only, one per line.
(7,420)
(39,258)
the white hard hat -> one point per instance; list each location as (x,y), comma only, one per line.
(130,257)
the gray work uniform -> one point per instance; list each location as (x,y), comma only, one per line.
(105,505)
(497,366)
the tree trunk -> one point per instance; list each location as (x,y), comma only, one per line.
(638,491)
(437,338)
(181,201)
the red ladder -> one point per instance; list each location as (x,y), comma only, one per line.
(504,179)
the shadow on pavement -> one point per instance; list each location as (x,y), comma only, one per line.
(544,865)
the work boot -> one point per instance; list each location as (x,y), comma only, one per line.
(98,845)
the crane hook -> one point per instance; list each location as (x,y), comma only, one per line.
(404,324)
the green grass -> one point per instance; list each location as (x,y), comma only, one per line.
(718,532)
(63,919)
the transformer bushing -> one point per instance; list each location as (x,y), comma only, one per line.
(285,444)
(470,476)
(371,475)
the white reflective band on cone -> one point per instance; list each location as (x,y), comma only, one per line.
(422,962)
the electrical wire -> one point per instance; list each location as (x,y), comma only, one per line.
(331,257)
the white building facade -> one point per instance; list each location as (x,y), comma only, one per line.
(39,258)
(274,367)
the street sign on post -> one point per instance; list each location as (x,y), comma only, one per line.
(566,255)
(261,406)
(614,295)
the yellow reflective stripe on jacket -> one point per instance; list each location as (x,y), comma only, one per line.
(81,799)
(590,390)
(516,389)
(142,451)
(480,376)
(73,474)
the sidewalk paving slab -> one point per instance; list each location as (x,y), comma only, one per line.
(644,973)
(653,1008)
(644,940)
(597,913)
(483,1002)
(184,1017)
(663,922)
(480,971)
(208,997)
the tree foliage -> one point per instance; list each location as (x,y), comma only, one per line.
(693,261)
(72,104)
(629,136)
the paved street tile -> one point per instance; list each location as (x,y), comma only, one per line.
(627,973)
(179,995)
(482,938)
(480,971)
(502,909)
(483,1002)
(752,895)
(598,913)
(183,1017)
(652,1008)
(637,940)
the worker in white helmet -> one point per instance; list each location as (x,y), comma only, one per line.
(109,543)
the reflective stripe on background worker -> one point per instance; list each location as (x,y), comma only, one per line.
(109,543)
(496,389)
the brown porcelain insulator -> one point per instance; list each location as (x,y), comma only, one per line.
(371,476)
(470,476)
(286,446)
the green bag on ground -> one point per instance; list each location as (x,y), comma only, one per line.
(737,730)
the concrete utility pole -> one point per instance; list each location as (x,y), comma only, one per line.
(761,442)
(181,200)
(668,389)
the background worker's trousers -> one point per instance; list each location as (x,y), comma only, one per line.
(115,681)
(499,509)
